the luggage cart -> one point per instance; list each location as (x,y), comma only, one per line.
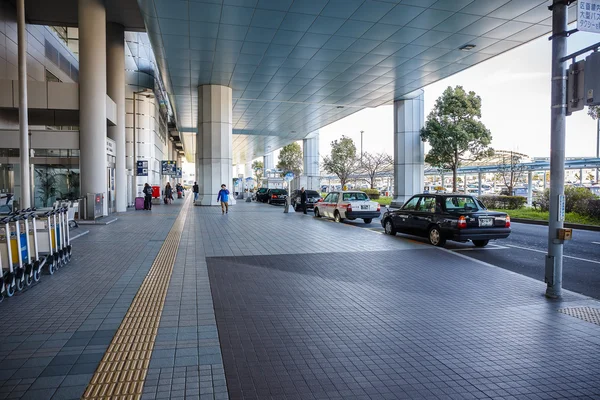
(10,255)
(25,244)
(35,259)
(63,234)
(7,274)
(47,240)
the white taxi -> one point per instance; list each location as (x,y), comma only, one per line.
(348,205)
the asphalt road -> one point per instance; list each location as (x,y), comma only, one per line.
(524,252)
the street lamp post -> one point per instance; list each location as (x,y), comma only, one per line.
(361,145)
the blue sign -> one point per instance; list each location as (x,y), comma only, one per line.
(289,176)
(249,179)
(168,168)
(142,168)
(178,172)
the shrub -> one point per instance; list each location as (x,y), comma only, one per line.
(590,208)
(372,193)
(575,195)
(503,202)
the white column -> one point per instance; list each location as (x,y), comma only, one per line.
(310,152)
(529,188)
(248,173)
(92,97)
(115,83)
(409,151)
(479,193)
(214,142)
(25,200)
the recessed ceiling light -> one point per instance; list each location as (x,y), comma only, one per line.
(467,47)
(340,106)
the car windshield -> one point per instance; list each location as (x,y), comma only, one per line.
(278,191)
(262,190)
(355,196)
(461,203)
(312,193)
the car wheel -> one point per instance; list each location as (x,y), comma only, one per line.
(480,243)
(317,214)
(435,236)
(389,227)
(338,217)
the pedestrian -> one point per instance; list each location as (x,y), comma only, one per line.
(223,197)
(168,193)
(196,190)
(147,197)
(303,199)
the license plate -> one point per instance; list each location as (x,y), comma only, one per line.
(364,207)
(486,222)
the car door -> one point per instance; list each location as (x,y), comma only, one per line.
(423,215)
(324,204)
(332,204)
(403,218)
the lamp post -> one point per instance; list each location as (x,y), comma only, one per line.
(361,145)
(148,94)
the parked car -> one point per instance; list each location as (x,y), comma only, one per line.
(348,205)
(276,196)
(312,198)
(442,217)
(261,194)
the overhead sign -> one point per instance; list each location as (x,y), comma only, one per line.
(168,167)
(110,147)
(142,168)
(289,176)
(178,172)
(588,15)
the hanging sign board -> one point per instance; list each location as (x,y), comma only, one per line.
(142,168)
(178,172)
(168,167)
(588,15)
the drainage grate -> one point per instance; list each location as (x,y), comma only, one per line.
(587,314)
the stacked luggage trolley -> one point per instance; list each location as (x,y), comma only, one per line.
(32,242)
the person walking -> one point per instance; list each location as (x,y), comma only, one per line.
(147,197)
(303,199)
(196,190)
(168,193)
(223,197)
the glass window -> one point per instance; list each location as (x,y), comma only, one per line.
(427,204)
(327,198)
(355,197)
(334,197)
(412,204)
(461,203)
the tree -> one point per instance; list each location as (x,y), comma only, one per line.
(372,164)
(259,171)
(454,131)
(343,161)
(46,185)
(511,170)
(290,159)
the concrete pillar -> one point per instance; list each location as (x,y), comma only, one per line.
(25,198)
(214,143)
(92,97)
(115,84)
(545,180)
(268,161)
(529,189)
(581,176)
(479,193)
(409,152)
(465,183)
(310,150)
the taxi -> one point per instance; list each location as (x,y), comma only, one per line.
(348,204)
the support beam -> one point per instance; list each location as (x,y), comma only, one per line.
(25,200)
(214,143)
(115,83)
(92,97)
(409,151)
(554,259)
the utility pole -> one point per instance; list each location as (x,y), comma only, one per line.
(554,258)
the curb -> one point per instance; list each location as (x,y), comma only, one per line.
(567,224)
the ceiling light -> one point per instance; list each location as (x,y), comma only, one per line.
(293,131)
(467,47)
(340,106)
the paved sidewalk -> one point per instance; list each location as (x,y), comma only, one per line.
(267,305)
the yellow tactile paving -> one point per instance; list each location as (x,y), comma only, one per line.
(123,368)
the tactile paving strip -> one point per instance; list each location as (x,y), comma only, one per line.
(123,368)
(587,314)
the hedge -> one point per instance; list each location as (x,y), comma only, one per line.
(503,202)
(372,193)
(575,197)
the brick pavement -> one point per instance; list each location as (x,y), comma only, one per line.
(289,291)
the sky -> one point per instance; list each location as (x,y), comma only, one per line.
(515,93)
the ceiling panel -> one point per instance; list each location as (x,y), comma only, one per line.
(296,66)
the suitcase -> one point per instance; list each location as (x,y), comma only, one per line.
(139,203)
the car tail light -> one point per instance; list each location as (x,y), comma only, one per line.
(462,222)
(507,225)
(378,208)
(349,207)
(274,196)
(320,200)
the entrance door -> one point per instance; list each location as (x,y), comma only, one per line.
(112,201)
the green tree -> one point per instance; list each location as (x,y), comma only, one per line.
(343,161)
(372,164)
(454,131)
(290,159)
(259,171)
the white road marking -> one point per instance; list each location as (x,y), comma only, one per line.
(595,242)
(79,235)
(481,248)
(545,252)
